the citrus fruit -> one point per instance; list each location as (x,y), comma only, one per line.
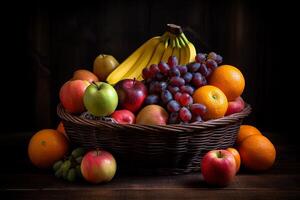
(60,128)
(246,131)
(257,153)
(229,79)
(46,147)
(236,156)
(214,100)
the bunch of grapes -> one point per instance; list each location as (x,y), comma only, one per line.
(172,86)
(69,168)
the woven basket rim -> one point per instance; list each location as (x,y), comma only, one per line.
(64,115)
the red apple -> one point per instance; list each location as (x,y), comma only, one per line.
(235,106)
(71,95)
(218,167)
(123,116)
(98,166)
(131,94)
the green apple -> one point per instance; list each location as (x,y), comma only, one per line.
(100,99)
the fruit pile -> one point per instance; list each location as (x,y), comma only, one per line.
(163,82)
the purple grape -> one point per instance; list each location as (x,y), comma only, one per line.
(198,109)
(173,106)
(153,69)
(153,86)
(212,55)
(183,69)
(187,89)
(146,73)
(152,99)
(177,81)
(164,67)
(219,59)
(211,64)
(185,99)
(174,118)
(204,70)
(197,118)
(173,90)
(177,96)
(172,61)
(200,58)
(166,96)
(157,87)
(193,67)
(174,71)
(198,80)
(188,77)
(185,115)
(159,76)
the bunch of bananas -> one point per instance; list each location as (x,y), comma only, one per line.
(69,169)
(172,43)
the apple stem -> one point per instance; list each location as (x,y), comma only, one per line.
(97,150)
(219,154)
(96,85)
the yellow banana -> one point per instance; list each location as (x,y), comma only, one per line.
(191,48)
(176,49)
(158,53)
(168,51)
(184,54)
(140,78)
(126,65)
(143,60)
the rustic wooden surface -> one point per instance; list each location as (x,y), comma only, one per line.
(20,180)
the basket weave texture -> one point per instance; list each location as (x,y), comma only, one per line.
(159,149)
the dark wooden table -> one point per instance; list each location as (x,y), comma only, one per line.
(20,180)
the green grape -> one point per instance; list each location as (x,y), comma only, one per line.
(57,165)
(59,173)
(78,171)
(79,159)
(77,152)
(71,175)
(65,168)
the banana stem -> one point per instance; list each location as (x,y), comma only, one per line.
(177,43)
(181,41)
(185,39)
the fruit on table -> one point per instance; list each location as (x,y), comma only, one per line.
(218,167)
(100,99)
(83,74)
(152,115)
(46,147)
(246,131)
(213,99)
(158,48)
(69,168)
(131,94)
(71,95)
(236,156)
(98,166)
(123,117)
(230,80)
(235,106)
(104,65)
(257,153)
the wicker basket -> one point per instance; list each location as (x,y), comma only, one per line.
(168,149)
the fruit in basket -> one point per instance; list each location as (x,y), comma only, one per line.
(71,95)
(230,80)
(159,48)
(152,115)
(235,106)
(98,166)
(257,153)
(213,99)
(131,94)
(246,131)
(236,156)
(100,99)
(46,147)
(123,116)
(218,167)
(104,65)
(83,74)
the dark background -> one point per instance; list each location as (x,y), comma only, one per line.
(44,42)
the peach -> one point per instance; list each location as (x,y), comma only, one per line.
(152,115)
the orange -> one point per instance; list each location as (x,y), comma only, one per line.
(60,128)
(246,131)
(257,153)
(214,100)
(230,80)
(236,156)
(46,147)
